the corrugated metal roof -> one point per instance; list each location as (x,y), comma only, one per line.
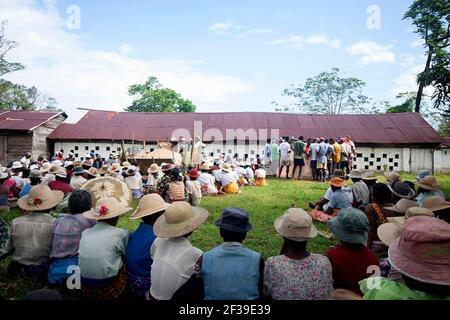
(446,141)
(404,128)
(25,120)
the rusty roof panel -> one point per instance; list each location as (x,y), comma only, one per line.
(24,120)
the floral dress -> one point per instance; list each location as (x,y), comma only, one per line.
(308,279)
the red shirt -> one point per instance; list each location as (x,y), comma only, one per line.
(61,186)
(350,265)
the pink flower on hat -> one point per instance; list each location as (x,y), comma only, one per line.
(102,211)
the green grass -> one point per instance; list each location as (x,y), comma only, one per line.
(263,204)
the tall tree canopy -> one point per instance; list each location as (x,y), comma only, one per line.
(432,21)
(329,93)
(153,97)
(15,96)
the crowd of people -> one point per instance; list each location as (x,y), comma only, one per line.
(398,230)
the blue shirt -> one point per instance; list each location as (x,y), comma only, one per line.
(25,190)
(339,200)
(138,259)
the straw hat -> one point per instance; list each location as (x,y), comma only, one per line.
(103,170)
(105,187)
(355,174)
(126,164)
(4,175)
(40,198)
(148,205)
(180,218)
(35,174)
(403,205)
(422,174)
(106,208)
(115,167)
(226,167)
(78,170)
(154,168)
(369,176)
(77,163)
(428,183)
(388,232)
(401,190)
(46,167)
(87,163)
(54,168)
(206,166)
(338,182)
(131,170)
(422,251)
(392,176)
(92,172)
(68,164)
(167,167)
(61,172)
(435,203)
(296,225)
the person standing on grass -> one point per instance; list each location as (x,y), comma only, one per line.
(102,250)
(67,232)
(299,160)
(231,271)
(285,155)
(268,155)
(297,274)
(322,151)
(351,259)
(336,155)
(345,154)
(138,260)
(313,148)
(275,157)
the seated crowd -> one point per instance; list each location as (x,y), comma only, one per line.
(394,239)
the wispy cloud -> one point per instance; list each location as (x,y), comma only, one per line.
(238,31)
(416,43)
(125,48)
(321,39)
(372,52)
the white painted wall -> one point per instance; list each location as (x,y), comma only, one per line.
(445,160)
(78,149)
(381,159)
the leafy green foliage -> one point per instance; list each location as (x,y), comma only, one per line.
(5,46)
(329,93)
(153,97)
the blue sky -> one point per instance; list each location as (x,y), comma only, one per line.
(224,55)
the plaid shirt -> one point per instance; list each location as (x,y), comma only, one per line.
(67,234)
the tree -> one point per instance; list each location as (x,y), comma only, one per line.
(329,93)
(153,97)
(5,46)
(432,20)
(406,106)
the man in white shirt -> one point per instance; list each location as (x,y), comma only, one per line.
(268,156)
(313,148)
(285,154)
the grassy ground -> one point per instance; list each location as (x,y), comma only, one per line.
(263,205)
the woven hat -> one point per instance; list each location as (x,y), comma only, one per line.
(106,187)
(4,175)
(226,167)
(148,205)
(206,166)
(54,168)
(423,250)
(106,208)
(392,176)
(115,167)
(403,205)
(368,176)
(422,174)
(16,165)
(131,170)
(338,174)
(68,164)
(78,170)
(296,225)
(87,163)
(77,163)
(338,182)
(180,218)
(351,225)
(401,190)
(435,203)
(103,170)
(126,164)
(57,163)
(235,220)
(154,168)
(46,167)
(88,156)
(167,167)
(355,174)
(388,232)
(92,172)
(40,198)
(35,174)
(428,183)
(61,172)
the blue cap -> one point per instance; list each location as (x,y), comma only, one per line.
(235,220)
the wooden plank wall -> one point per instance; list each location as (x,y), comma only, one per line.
(40,145)
(18,146)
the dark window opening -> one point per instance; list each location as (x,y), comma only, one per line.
(359,155)
(391,160)
(252,152)
(86,148)
(371,163)
(378,168)
(372,155)
(355,167)
(211,154)
(151,150)
(108,148)
(247,142)
(76,148)
(119,149)
(72,152)
(235,141)
(76,155)
(97,148)
(384,156)
(397,156)
(391,168)
(395,164)
(366,159)
(230,151)
(378,159)
(366,167)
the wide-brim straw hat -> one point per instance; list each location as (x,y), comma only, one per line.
(338,182)
(154,168)
(369,176)
(103,170)
(16,165)
(435,203)
(355,174)
(428,183)
(40,198)
(392,176)
(54,168)
(45,167)
(403,205)
(226,167)
(179,219)
(207,166)
(148,205)
(4,175)
(92,172)
(296,225)
(68,164)
(403,187)
(106,208)
(105,187)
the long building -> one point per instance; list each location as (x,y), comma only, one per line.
(400,142)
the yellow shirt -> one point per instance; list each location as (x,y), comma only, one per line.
(337,152)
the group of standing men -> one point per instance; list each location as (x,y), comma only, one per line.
(324,156)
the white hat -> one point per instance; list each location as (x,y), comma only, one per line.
(68,163)
(16,165)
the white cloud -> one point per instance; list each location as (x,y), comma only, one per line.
(372,52)
(416,43)
(238,31)
(221,27)
(407,81)
(317,39)
(125,48)
(59,65)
